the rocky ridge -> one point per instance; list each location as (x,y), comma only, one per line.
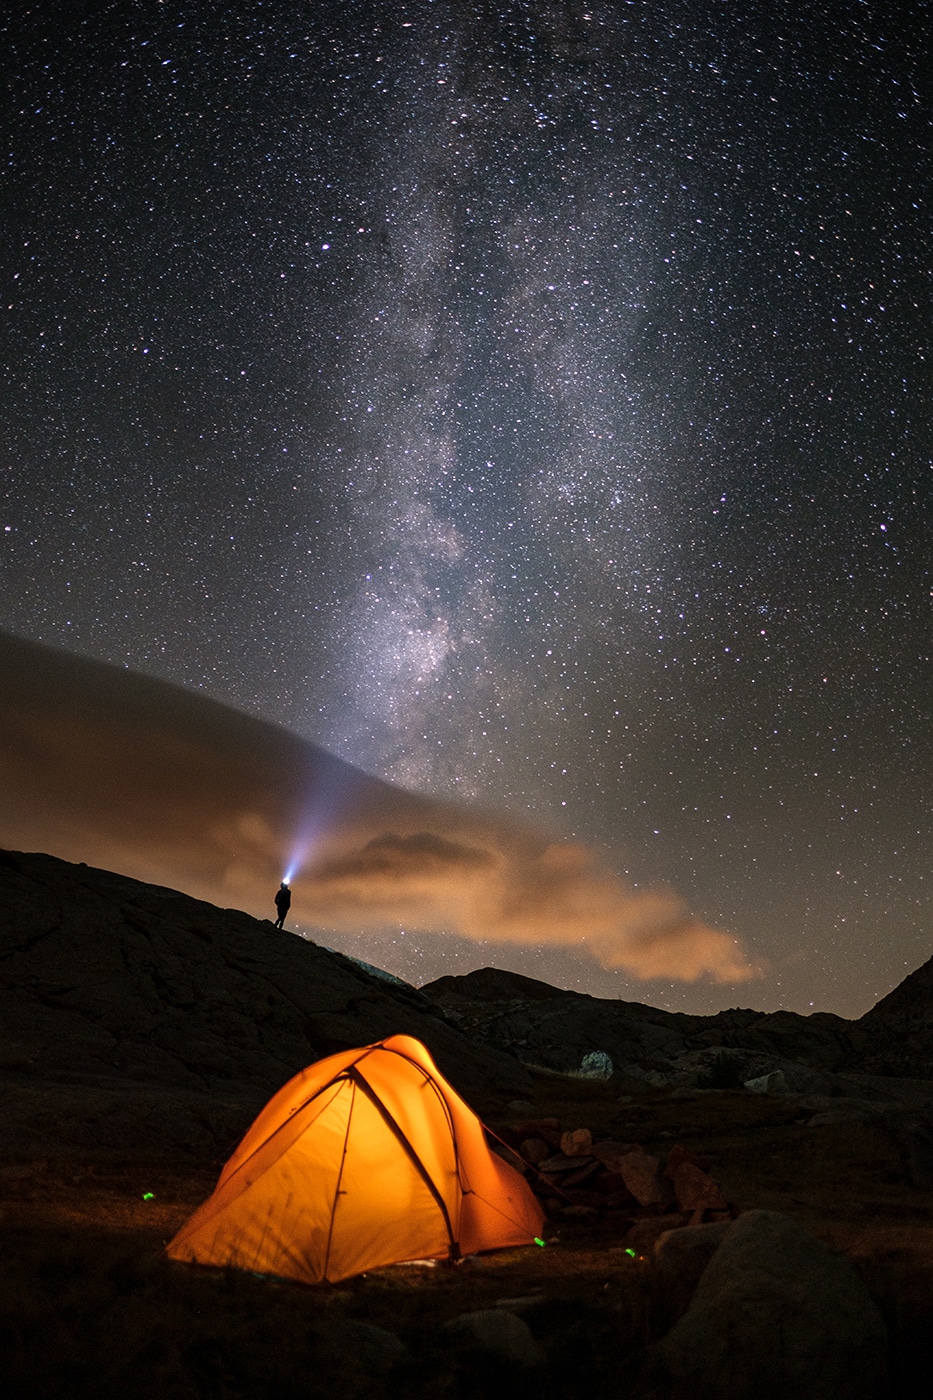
(885,1056)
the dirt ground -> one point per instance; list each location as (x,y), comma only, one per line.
(90,1306)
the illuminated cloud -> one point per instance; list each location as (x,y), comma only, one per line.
(554,895)
(118,770)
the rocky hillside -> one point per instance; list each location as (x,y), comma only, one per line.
(896,1035)
(132,1015)
(817,1054)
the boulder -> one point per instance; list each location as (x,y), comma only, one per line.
(677,1154)
(596,1065)
(639,1171)
(776,1314)
(695,1189)
(611,1153)
(679,1259)
(535,1150)
(721,1067)
(498,1331)
(561,1163)
(576,1143)
(360,1346)
(642,1235)
(583,1173)
(548,1129)
(845,1111)
(773,1083)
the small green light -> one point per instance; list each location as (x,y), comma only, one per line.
(540,1242)
(148,1195)
(631,1252)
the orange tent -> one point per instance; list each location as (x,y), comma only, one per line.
(364,1159)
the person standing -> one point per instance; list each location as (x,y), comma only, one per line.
(283,900)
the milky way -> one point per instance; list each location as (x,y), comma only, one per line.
(528,402)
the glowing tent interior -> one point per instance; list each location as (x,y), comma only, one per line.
(364,1159)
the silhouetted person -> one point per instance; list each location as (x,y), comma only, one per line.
(283,900)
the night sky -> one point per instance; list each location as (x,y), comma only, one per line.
(528,402)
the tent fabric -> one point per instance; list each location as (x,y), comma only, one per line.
(364,1159)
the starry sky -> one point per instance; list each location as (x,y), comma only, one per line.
(527,402)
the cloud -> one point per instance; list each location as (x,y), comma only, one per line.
(101,765)
(558,895)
